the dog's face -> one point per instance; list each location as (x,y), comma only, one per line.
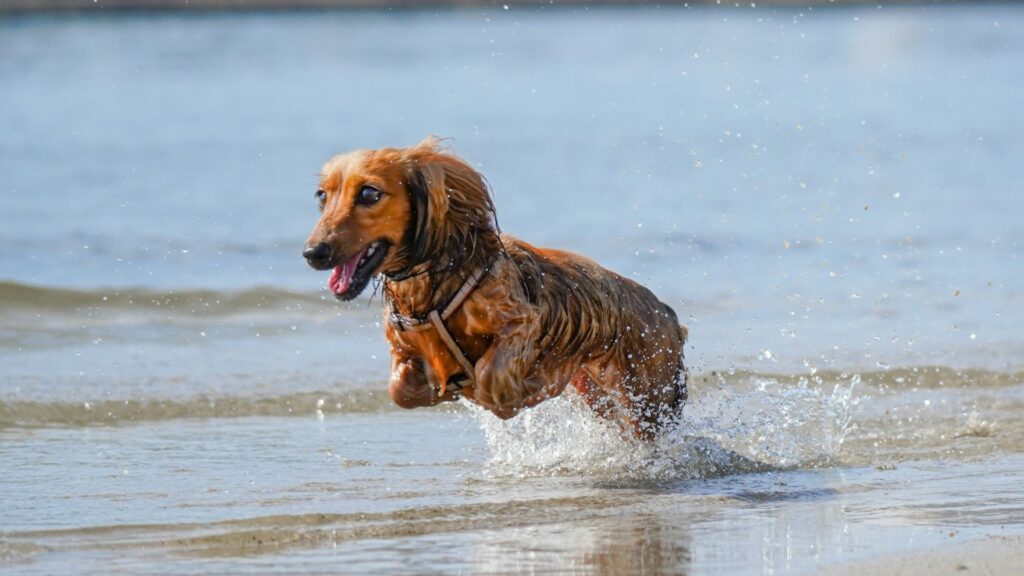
(386,211)
(366,209)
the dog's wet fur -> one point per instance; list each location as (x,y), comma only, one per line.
(539,320)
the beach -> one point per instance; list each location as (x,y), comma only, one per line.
(826,198)
(992,555)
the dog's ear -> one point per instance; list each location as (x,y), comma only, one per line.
(453,193)
(428,180)
(425,179)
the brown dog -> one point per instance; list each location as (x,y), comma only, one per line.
(477,313)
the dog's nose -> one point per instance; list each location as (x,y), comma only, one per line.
(317,255)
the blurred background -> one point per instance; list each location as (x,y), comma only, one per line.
(803,184)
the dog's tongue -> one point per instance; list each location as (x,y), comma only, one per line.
(341,276)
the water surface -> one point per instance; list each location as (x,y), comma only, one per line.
(825,196)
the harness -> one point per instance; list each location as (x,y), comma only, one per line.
(436,318)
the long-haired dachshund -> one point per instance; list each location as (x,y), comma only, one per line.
(477,313)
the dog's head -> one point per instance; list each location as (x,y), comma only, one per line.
(396,211)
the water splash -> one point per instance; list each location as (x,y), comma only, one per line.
(782,424)
(732,424)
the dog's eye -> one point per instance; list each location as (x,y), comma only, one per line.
(367,195)
(321,197)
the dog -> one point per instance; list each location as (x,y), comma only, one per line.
(472,312)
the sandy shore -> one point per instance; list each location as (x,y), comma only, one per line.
(994,555)
(90,5)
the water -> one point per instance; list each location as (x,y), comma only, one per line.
(825,196)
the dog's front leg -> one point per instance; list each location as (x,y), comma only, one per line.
(410,387)
(502,385)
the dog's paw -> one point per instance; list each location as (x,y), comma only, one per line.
(409,387)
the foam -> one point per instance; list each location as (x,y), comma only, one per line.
(735,425)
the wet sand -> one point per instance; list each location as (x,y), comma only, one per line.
(992,555)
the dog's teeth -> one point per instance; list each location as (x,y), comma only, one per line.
(369,253)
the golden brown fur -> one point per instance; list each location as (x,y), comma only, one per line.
(539,320)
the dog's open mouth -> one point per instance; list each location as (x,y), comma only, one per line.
(350,278)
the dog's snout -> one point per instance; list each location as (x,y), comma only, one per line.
(318,255)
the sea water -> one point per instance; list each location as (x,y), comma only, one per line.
(827,197)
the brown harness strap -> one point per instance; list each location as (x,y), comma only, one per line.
(436,320)
(471,283)
(452,345)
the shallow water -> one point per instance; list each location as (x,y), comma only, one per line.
(826,196)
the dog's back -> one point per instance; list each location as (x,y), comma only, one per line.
(631,342)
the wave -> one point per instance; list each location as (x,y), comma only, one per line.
(735,423)
(18,297)
(35,414)
(710,391)
(925,376)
